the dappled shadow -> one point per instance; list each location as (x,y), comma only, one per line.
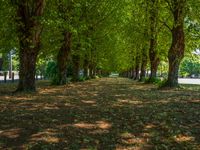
(108,113)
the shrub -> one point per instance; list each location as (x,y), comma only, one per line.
(153,80)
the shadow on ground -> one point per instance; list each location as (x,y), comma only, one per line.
(105,114)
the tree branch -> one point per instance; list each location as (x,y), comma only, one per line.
(166,25)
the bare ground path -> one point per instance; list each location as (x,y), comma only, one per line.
(105,114)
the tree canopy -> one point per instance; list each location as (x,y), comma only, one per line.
(129,37)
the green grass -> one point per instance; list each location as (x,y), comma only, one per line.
(106,113)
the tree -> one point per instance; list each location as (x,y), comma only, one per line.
(176,51)
(190,66)
(62,58)
(29,29)
(153,52)
(65,10)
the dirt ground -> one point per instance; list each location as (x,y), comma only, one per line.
(104,114)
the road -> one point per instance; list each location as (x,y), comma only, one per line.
(180,80)
(189,81)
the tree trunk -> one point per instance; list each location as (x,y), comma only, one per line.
(90,71)
(86,68)
(137,67)
(27,69)
(153,53)
(144,64)
(154,68)
(29,32)
(133,73)
(129,73)
(176,51)
(62,57)
(76,68)
(137,72)
(1,63)
(94,73)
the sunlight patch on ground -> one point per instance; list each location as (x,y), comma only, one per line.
(164,101)
(49,91)
(146,135)
(68,104)
(127,135)
(50,107)
(128,148)
(23,98)
(44,106)
(48,136)
(132,142)
(10,133)
(5,97)
(150,126)
(84,125)
(183,138)
(127,101)
(98,124)
(195,101)
(130,139)
(88,102)
(120,95)
(104,125)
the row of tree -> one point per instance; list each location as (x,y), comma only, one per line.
(167,24)
(99,36)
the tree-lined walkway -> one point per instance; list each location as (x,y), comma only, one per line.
(107,113)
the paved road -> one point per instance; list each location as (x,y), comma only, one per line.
(189,81)
(181,80)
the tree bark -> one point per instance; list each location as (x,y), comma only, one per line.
(86,68)
(155,61)
(153,52)
(176,51)
(137,68)
(76,67)
(144,64)
(137,74)
(133,73)
(29,32)
(62,58)
(90,71)
(1,63)
(94,73)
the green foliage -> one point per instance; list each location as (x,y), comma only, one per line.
(190,67)
(52,72)
(8,32)
(81,79)
(153,80)
(162,83)
(110,34)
